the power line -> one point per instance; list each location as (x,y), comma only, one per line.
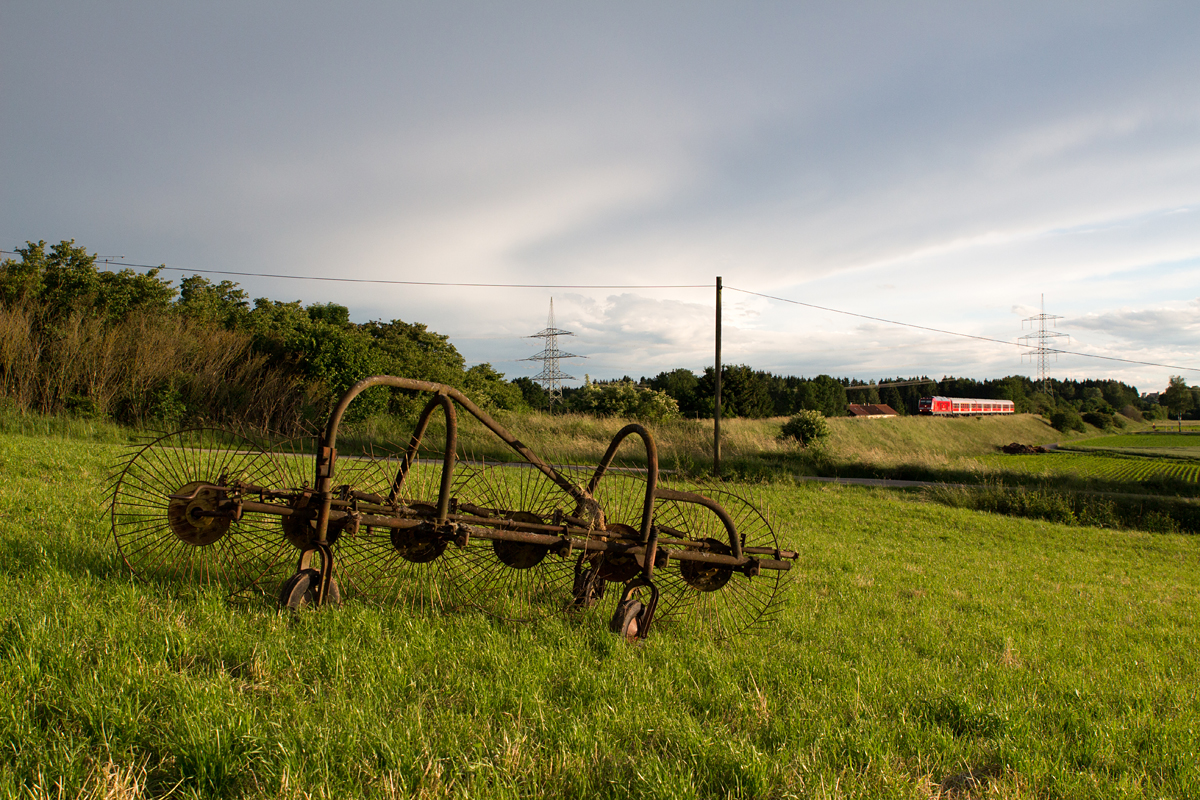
(401,283)
(625,286)
(956,333)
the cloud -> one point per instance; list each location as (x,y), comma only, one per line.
(941,165)
(1171,327)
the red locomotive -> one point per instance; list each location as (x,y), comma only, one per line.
(962,406)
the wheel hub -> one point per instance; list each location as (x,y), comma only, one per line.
(189,519)
(707,577)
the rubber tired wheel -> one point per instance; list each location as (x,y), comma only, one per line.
(301,590)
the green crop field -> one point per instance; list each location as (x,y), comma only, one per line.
(917,644)
(1130,470)
(1146,439)
(1149,443)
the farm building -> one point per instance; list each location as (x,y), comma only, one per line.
(873,411)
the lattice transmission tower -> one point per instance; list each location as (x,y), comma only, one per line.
(551,377)
(1040,340)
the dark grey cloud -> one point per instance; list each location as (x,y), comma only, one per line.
(971,157)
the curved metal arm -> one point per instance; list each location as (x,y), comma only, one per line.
(324,478)
(448,457)
(735,544)
(651,471)
(652,490)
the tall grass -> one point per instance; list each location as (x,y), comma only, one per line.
(684,446)
(161,367)
(1154,514)
(921,648)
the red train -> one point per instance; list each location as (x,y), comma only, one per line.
(962,406)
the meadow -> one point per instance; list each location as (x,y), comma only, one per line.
(921,650)
(1103,467)
(1145,439)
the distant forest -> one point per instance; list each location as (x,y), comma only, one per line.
(747,392)
(133,347)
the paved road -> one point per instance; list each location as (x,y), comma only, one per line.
(888,483)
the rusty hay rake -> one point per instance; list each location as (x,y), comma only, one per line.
(424,528)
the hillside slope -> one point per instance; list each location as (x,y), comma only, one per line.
(886,440)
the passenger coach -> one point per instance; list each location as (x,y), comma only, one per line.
(962,406)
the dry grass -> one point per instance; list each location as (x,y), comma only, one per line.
(687,445)
(683,444)
(141,368)
(108,781)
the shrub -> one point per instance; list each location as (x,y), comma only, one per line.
(807,427)
(1154,413)
(1098,419)
(1066,419)
(624,399)
(1132,413)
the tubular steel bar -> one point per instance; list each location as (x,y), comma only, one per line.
(540,534)
(448,457)
(651,471)
(324,478)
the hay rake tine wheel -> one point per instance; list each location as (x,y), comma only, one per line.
(498,577)
(369,561)
(367,565)
(621,495)
(739,604)
(160,537)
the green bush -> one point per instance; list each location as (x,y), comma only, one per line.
(1067,419)
(624,399)
(807,427)
(1098,419)
(1132,413)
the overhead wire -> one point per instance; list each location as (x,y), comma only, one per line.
(631,286)
(956,333)
(404,283)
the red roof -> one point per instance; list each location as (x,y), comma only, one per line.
(880,410)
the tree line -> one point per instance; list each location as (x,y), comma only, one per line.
(747,392)
(133,347)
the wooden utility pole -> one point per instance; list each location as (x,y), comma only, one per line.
(717,393)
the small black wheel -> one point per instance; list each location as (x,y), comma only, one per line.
(301,590)
(625,618)
(588,588)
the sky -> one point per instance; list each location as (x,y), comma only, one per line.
(947,165)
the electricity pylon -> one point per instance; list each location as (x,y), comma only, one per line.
(1040,340)
(551,377)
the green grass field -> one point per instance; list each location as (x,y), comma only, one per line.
(1148,443)
(1145,439)
(917,642)
(1130,470)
